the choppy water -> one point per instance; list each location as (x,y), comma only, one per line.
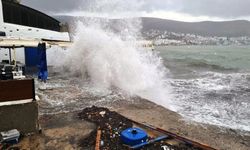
(204,84)
(211,84)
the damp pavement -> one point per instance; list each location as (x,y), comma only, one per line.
(62,129)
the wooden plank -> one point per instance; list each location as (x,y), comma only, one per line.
(98,139)
(14,90)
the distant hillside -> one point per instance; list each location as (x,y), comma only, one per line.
(207,28)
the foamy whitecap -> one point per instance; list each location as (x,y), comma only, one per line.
(215,98)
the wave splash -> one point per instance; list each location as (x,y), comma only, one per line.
(109,59)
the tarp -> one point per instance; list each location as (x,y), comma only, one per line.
(42,64)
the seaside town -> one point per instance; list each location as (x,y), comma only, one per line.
(163,38)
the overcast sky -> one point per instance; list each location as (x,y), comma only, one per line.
(183,10)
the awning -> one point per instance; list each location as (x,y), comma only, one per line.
(14,43)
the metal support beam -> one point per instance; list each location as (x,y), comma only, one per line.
(10,55)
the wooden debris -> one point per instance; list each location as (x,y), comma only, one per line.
(98,139)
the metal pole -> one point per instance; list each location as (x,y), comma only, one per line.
(14,49)
(10,55)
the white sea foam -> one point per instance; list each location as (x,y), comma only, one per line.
(215,98)
(111,60)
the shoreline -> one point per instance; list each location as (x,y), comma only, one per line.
(214,136)
(138,109)
(66,130)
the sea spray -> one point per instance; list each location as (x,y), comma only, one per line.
(108,61)
(107,56)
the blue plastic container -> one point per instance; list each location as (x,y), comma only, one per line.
(133,136)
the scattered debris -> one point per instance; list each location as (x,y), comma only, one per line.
(89,141)
(37,98)
(111,125)
(11,136)
(8,139)
(102,113)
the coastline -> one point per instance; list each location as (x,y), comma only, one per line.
(214,136)
(66,130)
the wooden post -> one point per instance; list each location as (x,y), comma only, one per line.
(98,139)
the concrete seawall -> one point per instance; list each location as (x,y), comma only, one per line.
(23,117)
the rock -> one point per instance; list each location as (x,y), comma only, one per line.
(68,147)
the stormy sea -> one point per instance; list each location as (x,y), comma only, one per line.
(206,84)
(211,84)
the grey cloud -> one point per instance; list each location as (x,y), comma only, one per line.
(218,8)
(211,8)
(55,6)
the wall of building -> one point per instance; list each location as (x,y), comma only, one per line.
(20,55)
(25,25)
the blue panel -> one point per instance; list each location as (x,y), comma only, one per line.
(31,57)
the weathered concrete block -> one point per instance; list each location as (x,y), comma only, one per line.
(23,117)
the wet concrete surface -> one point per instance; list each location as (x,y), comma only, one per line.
(59,132)
(61,129)
(65,131)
